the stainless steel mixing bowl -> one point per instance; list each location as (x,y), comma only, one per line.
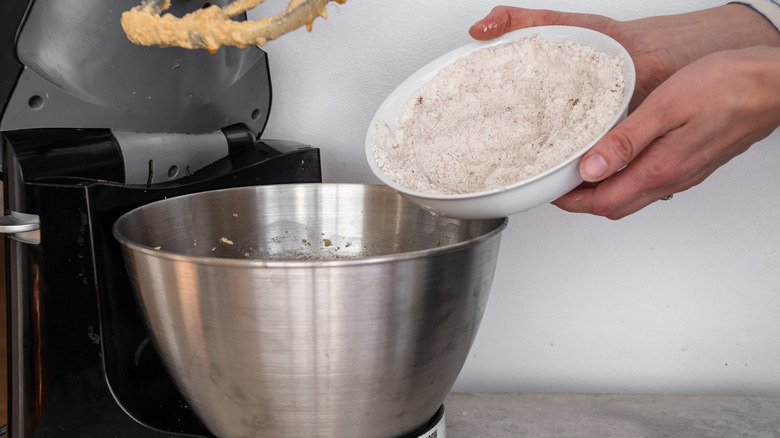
(321,310)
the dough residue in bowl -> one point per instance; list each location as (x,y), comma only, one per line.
(501,115)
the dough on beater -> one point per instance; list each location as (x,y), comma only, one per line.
(213,27)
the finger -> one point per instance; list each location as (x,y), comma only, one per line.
(626,193)
(578,200)
(614,198)
(503,19)
(588,201)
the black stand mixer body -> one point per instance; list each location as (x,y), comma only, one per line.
(86,138)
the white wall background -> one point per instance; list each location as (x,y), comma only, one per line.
(681,298)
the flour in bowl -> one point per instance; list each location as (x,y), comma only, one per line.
(501,115)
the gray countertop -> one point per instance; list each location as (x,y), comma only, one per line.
(473,415)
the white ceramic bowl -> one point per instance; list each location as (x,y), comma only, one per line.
(525,194)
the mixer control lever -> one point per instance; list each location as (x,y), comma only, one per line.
(21,226)
(18,223)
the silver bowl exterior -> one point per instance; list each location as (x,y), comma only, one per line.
(362,334)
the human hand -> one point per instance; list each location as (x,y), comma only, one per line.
(684,130)
(700,118)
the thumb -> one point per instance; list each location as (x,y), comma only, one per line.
(503,19)
(621,145)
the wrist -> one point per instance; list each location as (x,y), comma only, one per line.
(751,80)
(745,26)
(768,74)
(767,9)
(700,33)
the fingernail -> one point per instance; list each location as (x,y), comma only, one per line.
(593,168)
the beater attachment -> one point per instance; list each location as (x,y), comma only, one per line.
(213,27)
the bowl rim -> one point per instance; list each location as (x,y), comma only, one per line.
(545,32)
(161,253)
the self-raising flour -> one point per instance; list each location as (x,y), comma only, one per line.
(501,115)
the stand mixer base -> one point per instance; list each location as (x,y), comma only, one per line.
(435,428)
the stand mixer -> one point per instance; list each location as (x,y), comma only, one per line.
(93,126)
(96,130)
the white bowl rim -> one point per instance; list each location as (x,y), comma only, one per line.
(545,32)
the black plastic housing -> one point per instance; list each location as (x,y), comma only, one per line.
(92,368)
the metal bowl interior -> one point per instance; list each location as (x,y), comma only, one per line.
(309,310)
